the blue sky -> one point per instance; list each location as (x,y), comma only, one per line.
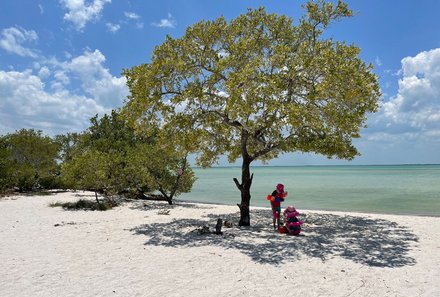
(61,63)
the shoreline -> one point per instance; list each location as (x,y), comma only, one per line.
(137,250)
(317,210)
(354,212)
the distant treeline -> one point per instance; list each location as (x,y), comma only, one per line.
(109,157)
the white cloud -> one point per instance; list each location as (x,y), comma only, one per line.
(414,112)
(97,80)
(44,72)
(41,8)
(94,79)
(113,27)
(12,39)
(131,15)
(80,13)
(61,78)
(169,22)
(26,104)
(378,61)
(60,96)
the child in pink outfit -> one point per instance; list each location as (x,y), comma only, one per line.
(275,202)
(292,223)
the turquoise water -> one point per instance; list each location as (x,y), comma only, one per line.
(395,189)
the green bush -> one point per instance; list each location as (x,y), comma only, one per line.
(28,161)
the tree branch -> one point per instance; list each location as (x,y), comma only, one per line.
(162,191)
(225,118)
(213,71)
(264,151)
(239,186)
(170,93)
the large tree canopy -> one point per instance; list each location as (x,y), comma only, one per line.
(255,87)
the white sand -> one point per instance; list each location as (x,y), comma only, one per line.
(133,250)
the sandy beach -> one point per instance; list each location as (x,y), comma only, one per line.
(139,250)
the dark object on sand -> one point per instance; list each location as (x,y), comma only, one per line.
(218,227)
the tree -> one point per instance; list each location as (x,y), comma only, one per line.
(162,168)
(254,88)
(68,143)
(5,166)
(31,160)
(96,159)
(112,159)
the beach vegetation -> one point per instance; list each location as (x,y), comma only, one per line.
(5,167)
(110,158)
(29,161)
(67,142)
(84,204)
(255,87)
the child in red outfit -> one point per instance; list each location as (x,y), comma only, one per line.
(275,202)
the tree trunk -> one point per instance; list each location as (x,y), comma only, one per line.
(173,191)
(245,189)
(96,198)
(168,198)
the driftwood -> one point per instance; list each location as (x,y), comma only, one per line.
(203,230)
(163,212)
(228,224)
(206,230)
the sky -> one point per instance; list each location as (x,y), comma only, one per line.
(61,63)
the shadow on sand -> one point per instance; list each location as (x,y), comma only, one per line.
(378,243)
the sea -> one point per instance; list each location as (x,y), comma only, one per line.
(388,189)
